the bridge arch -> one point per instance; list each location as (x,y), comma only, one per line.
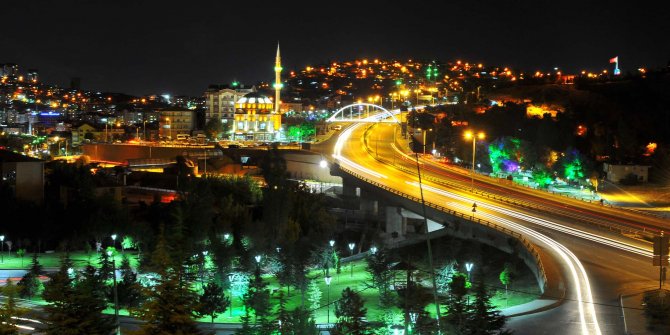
(363,116)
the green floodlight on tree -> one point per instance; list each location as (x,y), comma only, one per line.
(235,83)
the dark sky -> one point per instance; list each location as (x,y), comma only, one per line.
(143,47)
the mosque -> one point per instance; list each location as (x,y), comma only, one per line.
(257,117)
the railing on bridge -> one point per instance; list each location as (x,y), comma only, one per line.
(527,244)
(364,113)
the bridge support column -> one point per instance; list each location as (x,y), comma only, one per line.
(350,189)
(368,206)
(396,224)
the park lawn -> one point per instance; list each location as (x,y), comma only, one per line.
(519,293)
(52,260)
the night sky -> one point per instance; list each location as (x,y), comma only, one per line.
(144,47)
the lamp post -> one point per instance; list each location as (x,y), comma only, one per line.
(424,138)
(468,268)
(328,280)
(110,253)
(471,135)
(258,262)
(2,246)
(351,263)
(145,130)
(114,239)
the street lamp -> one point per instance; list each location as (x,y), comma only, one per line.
(398,330)
(328,280)
(351,263)
(2,246)
(471,135)
(258,259)
(424,138)
(468,268)
(114,239)
(116,294)
(332,243)
(373,250)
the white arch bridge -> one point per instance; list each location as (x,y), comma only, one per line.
(364,113)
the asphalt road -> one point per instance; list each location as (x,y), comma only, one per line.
(612,264)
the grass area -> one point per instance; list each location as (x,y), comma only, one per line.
(524,289)
(52,260)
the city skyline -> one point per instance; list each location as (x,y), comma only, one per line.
(151,48)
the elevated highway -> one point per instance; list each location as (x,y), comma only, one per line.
(601,251)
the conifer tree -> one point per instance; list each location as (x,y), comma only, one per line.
(58,293)
(76,307)
(314,295)
(299,322)
(128,288)
(483,318)
(170,306)
(30,284)
(9,309)
(212,301)
(350,313)
(457,308)
(88,303)
(257,297)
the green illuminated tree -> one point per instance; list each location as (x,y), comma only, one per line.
(170,306)
(483,319)
(314,294)
(350,312)
(379,269)
(30,284)
(128,288)
(571,165)
(212,301)
(257,297)
(75,307)
(542,177)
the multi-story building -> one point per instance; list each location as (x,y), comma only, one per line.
(175,121)
(220,101)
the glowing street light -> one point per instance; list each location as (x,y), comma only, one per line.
(471,135)
(351,263)
(332,243)
(424,139)
(468,268)
(373,250)
(2,245)
(110,253)
(258,259)
(328,280)
(114,239)
(323,164)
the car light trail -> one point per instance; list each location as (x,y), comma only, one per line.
(337,153)
(579,275)
(545,223)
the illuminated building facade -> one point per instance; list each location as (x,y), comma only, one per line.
(256,119)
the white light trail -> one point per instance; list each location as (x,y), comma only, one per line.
(337,154)
(548,224)
(577,271)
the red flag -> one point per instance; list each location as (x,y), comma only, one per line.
(614,60)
